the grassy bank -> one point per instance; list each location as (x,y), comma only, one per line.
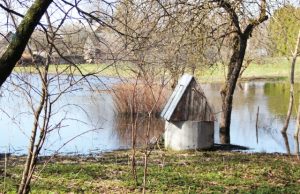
(269,68)
(169,172)
(98,69)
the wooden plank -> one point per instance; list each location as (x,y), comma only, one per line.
(188,102)
(176,96)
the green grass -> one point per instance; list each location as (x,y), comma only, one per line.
(98,69)
(169,172)
(278,67)
(268,68)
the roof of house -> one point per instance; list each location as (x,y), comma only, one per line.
(5,40)
(176,96)
(187,102)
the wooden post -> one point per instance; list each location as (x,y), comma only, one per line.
(286,142)
(256,125)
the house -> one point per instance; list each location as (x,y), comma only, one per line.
(92,53)
(102,45)
(189,117)
(68,49)
(26,58)
(68,46)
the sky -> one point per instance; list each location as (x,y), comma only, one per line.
(56,11)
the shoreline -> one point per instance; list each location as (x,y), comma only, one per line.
(273,69)
(201,79)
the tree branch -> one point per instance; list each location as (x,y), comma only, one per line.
(262,17)
(10,10)
(17,46)
(230,10)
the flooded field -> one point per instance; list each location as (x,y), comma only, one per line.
(84,119)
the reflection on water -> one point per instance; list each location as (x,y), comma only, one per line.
(278,97)
(124,127)
(85,110)
(272,105)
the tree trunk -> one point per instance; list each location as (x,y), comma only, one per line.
(297,130)
(31,158)
(234,68)
(15,49)
(297,152)
(286,142)
(289,112)
(240,38)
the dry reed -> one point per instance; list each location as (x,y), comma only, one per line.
(139,98)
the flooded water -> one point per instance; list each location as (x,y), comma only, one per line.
(271,98)
(84,119)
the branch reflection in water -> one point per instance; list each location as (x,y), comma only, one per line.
(100,112)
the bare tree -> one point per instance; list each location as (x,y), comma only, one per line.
(51,33)
(231,21)
(42,112)
(239,44)
(15,49)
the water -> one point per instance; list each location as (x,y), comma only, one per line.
(272,98)
(84,118)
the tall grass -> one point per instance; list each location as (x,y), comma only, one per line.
(139,98)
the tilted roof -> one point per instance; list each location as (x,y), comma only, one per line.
(176,96)
(187,102)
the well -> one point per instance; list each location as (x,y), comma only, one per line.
(189,117)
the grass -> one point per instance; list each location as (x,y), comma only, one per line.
(268,68)
(264,68)
(169,172)
(139,98)
(99,69)
(278,67)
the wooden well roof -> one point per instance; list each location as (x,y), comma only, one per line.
(188,102)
